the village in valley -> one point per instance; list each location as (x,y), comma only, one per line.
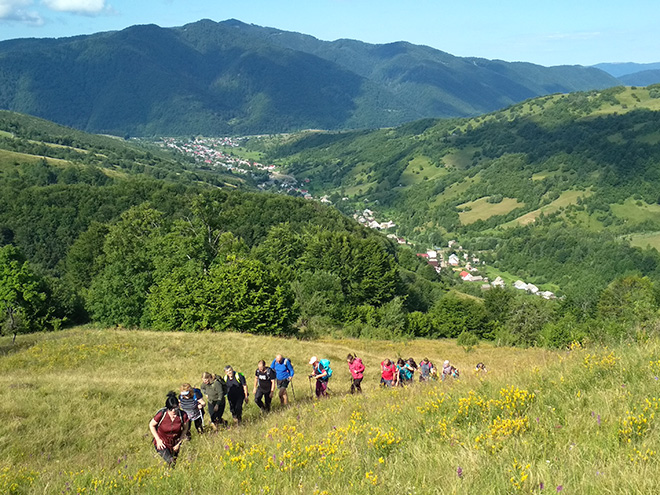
(455,258)
(209,153)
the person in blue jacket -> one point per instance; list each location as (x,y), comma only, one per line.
(284,373)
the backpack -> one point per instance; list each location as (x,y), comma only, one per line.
(454,372)
(223,384)
(164,411)
(199,395)
(324,364)
(426,366)
(405,374)
(237,377)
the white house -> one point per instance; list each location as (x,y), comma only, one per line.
(453,260)
(520,285)
(498,282)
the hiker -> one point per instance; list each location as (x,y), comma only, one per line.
(264,386)
(481,368)
(215,389)
(169,427)
(356,368)
(405,372)
(321,372)
(237,392)
(284,374)
(448,371)
(426,369)
(388,373)
(192,404)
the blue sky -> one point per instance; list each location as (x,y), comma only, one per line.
(582,32)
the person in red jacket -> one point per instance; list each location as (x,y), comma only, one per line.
(389,376)
(357,372)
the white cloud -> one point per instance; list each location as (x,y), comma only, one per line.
(14,10)
(88,7)
(9,7)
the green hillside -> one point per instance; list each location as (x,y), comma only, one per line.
(586,162)
(231,78)
(94,228)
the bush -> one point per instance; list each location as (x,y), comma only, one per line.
(468,341)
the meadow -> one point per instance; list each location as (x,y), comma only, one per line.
(481,209)
(581,420)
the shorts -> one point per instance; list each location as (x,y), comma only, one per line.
(283,383)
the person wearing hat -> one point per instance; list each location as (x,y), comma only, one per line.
(321,372)
(449,371)
(237,392)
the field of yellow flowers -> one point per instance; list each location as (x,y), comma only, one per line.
(77,404)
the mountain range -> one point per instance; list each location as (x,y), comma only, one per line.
(229,77)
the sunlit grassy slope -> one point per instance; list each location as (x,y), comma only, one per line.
(481,209)
(77,404)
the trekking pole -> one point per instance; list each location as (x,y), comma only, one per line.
(311,392)
(293,390)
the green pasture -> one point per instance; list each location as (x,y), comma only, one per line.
(481,209)
(636,211)
(420,168)
(565,199)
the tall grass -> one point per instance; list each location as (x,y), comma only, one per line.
(77,405)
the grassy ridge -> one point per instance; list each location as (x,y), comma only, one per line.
(80,402)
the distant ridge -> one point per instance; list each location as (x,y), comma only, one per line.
(229,77)
(626,68)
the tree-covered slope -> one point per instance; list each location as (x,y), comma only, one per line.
(233,78)
(96,228)
(586,163)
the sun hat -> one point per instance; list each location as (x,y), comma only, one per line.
(313,360)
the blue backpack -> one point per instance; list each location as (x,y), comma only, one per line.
(324,365)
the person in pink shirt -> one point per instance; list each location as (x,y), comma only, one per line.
(357,372)
(388,373)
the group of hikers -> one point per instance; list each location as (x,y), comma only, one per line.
(403,371)
(172,424)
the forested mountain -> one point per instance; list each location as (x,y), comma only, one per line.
(642,78)
(231,78)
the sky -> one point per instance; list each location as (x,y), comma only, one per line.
(584,32)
